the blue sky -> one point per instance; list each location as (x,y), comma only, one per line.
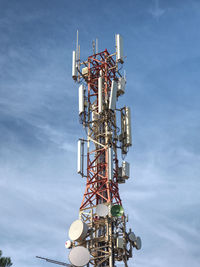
(40,192)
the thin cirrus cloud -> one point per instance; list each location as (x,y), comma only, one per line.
(156,11)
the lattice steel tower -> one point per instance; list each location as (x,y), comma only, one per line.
(99,237)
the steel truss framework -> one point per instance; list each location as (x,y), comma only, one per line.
(101,131)
(102,134)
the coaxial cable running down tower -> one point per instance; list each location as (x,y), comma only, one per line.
(99,237)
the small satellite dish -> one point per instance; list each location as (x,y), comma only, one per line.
(138,243)
(79,256)
(102,210)
(132,237)
(117,211)
(68,244)
(78,230)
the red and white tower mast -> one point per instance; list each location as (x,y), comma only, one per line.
(99,237)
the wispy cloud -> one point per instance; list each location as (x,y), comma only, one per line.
(156,11)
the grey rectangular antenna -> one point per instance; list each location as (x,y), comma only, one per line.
(123,130)
(128,126)
(110,163)
(80,162)
(121,86)
(100,91)
(125,170)
(113,95)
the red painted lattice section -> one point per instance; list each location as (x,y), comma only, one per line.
(99,189)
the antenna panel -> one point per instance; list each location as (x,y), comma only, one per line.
(120,180)
(110,163)
(81,98)
(123,131)
(74,71)
(120,242)
(125,170)
(113,95)
(121,86)
(100,94)
(119,48)
(80,164)
(128,126)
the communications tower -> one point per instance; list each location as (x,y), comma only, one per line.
(100,237)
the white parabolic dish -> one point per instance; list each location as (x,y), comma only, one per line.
(79,256)
(78,230)
(102,210)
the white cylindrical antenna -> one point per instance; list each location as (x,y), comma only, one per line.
(100,94)
(80,163)
(113,95)
(128,126)
(110,163)
(119,48)
(74,70)
(81,92)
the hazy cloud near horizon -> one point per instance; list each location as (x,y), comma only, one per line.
(40,192)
